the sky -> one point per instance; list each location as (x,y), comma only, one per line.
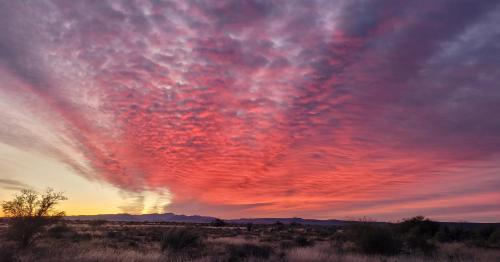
(319,109)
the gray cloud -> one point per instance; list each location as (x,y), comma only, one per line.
(284,102)
(12,184)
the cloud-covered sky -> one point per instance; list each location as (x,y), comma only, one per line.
(321,109)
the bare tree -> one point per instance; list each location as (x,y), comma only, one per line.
(29,212)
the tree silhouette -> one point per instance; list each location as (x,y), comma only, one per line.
(29,212)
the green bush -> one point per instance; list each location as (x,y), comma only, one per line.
(416,241)
(443,235)
(59,231)
(7,254)
(218,223)
(418,233)
(245,251)
(373,239)
(278,226)
(303,241)
(494,239)
(154,235)
(98,222)
(287,244)
(454,234)
(485,232)
(114,234)
(77,237)
(419,225)
(179,239)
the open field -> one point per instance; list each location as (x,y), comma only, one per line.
(121,241)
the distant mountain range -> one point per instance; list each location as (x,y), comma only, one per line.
(170,217)
(167,217)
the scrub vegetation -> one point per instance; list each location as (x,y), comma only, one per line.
(35,231)
(415,239)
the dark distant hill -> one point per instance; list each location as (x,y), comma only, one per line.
(315,222)
(167,217)
(170,217)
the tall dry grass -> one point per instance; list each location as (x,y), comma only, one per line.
(455,252)
(134,243)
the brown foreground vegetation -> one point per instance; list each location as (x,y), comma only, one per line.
(413,240)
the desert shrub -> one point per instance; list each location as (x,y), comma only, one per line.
(453,234)
(418,233)
(416,241)
(155,235)
(420,225)
(59,231)
(278,226)
(98,222)
(372,239)
(287,244)
(218,223)
(114,234)
(77,237)
(245,251)
(29,213)
(461,234)
(180,239)
(133,243)
(326,232)
(443,235)
(484,232)
(338,239)
(480,236)
(303,241)
(494,238)
(7,254)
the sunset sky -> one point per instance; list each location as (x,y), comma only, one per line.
(317,109)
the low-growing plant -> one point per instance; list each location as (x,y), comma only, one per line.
(278,226)
(419,225)
(287,244)
(7,253)
(443,235)
(59,231)
(77,237)
(247,250)
(303,241)
(494,238)
(98,222)
(375,240)
(218,223)
(154,235)
(114,234)
(180,239)
(416,241)
(418,233)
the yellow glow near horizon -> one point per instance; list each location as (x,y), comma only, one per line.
(85,197)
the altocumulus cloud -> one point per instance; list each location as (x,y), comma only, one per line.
(248,108)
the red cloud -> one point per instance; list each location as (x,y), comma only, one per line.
(262,109)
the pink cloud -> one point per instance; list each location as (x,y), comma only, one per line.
(265,108)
